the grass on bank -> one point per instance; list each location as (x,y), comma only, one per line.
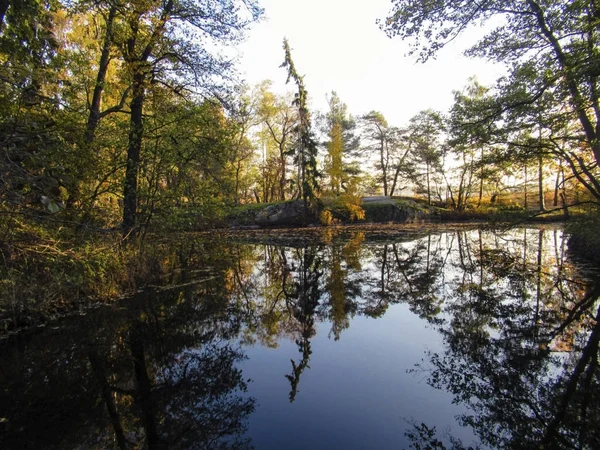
(48,271)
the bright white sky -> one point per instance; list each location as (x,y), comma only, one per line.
(337,46)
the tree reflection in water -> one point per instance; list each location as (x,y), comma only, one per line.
(517,317)
(161,375)
(519,321)
(521,337)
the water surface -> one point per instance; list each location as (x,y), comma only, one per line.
(353,339)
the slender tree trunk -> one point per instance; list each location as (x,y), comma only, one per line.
(282,177)
(480,182)
(557,183)
(299,183)
(383,167)
(282,163)
(469,184)
(398,167)
(525,185)
(136,132)
(395,180)
(541,182)
(94,115)
(304,193)
(565,207)
(428,186)
(264,171)
(236,194)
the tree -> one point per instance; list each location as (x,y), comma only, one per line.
(195,157)
(425,159)
(469,137)
(383,140)
(162,45)
(339,127)
(244,117)
(306,145)
(36,132)
(335,151)
(278,119)
(95,113)
(556,41)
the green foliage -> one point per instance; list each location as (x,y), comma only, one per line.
(277,119)
(190,218)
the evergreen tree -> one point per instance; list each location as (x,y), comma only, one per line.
(306,145)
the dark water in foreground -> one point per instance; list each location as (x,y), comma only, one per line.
(350,341)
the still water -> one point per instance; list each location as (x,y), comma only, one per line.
(337,339)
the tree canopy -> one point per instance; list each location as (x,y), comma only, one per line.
(549,47)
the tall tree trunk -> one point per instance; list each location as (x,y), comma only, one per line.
(304,191)
(469,184)
(236,194)
(136,132)
(383,167)
(541,182)
(557,183)
(480,181)
(94,115)
(525,186)
(395,180)
(282,177)
(398,168)
(428,186)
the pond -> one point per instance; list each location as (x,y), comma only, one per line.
(350,339)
